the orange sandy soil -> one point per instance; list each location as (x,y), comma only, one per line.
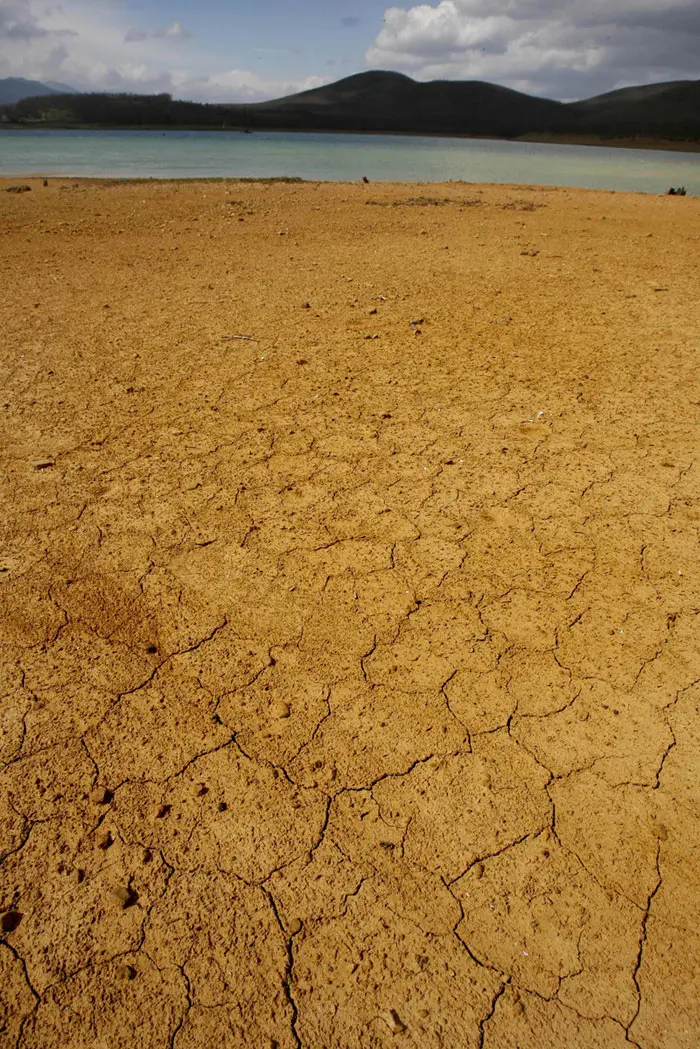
(351,675)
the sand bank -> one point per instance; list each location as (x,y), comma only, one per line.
(349,590)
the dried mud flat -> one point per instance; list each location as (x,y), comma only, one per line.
(350,675)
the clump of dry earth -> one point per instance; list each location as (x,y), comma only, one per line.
(350,669)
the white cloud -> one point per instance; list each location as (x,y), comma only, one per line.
(246,86)
(176,31)
(94,47)
(560,48)
(173,32)
(17,22)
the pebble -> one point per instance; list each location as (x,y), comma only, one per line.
(394,1022)
(479,870)
(43,464)
(105,840)
(101,796)
(295,926)
(127,972)
(281,710)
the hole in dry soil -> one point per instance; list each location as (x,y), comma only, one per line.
(10,920)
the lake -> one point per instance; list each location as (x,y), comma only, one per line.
(340,157)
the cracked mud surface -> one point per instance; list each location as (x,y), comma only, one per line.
(350,675)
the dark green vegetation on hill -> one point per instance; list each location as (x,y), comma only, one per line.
(392,102)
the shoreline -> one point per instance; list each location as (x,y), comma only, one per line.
(180,182)
(643,143)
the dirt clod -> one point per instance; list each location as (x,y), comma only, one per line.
(125,896)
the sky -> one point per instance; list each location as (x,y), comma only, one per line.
(230,50)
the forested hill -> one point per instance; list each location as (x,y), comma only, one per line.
(391,102)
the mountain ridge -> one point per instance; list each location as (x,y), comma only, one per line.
(16,88)
(386,101)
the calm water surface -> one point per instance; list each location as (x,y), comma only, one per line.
(338,157)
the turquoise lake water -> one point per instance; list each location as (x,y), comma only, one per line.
(338,157)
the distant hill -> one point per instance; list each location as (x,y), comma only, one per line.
(63,89)
(381,101)
(109,110)
(393,102)
(15,88)
(671,109)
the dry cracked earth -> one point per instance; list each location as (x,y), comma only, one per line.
(350,668)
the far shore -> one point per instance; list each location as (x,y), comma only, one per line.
(632,142)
